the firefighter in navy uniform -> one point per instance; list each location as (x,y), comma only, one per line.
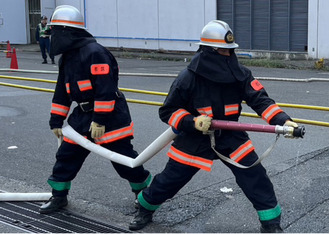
(213,86)
(88,75)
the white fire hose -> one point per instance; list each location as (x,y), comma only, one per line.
(24,197)
(157,145)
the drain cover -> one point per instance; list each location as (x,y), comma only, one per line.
(25,215)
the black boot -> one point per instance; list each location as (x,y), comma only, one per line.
(271,228)
(53,204)
(53,61)
(44,61)
(142,218)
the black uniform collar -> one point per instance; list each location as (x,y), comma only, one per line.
(213,66)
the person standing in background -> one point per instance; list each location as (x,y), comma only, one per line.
(42,36)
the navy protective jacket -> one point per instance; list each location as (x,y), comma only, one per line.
(88,75)
(214,85)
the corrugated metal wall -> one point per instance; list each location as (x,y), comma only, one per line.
(279,25)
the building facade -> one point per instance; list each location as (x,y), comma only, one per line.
(175,25)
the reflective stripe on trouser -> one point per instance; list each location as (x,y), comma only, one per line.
(270,214)
(59,186)
(136,187)
(70,157)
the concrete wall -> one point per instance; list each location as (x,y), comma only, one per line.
(318,33)
(47,8)
(13,21)
(145,24)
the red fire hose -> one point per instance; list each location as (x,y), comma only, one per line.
(236,126)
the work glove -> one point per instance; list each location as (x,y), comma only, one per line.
(290,123)
(202,123)
(58,132)
(97,130)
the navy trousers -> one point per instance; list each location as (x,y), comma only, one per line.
(44,43)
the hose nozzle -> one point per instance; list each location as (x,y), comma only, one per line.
(291,132)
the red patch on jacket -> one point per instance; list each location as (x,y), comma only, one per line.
(100,69)
(256,85)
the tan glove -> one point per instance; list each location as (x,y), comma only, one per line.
(290,123)
(97,130)
(58,132)
(202,123)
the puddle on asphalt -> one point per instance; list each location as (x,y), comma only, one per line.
(6,111)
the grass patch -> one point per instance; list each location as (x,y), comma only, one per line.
(263,63)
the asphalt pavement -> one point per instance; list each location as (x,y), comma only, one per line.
(211,202)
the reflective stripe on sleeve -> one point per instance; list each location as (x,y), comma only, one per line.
(59,109)
(232,109)
(270,112)
(206,111)
(191,160)
(176,117)
(67,85)
(116,134)
(104,106)
(68,140)
(84,85)
(242,151)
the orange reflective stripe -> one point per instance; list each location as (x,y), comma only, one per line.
(68,21)
(100,69)
(70,141)
(206,111)
(67,85)
(232,109)
(116,134)
(190,160)
(59,109)
(84,85)
(212,40)
(176,117)
(242,151)
(270,112)
(104,106)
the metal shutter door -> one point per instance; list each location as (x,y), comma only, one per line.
(279,25)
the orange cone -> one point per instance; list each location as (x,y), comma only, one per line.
(8,55)
(13,63)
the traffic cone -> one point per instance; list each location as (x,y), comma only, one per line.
(13,63)
(8,55)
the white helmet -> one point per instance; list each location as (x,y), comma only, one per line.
(66,15)
(217,34)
